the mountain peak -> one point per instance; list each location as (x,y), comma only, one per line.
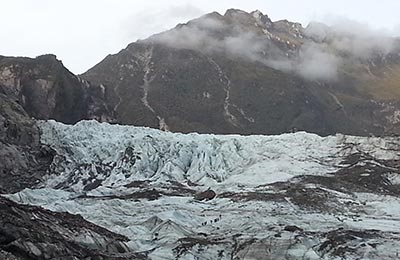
(213,15)
(47,56)
(233,11)
(240,16)
(288,27)
(261,18)
(257,14)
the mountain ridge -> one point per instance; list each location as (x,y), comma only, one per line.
(211,48)
(234,73)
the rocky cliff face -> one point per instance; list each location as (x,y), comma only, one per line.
(242,73)
(24,161)
(47,90)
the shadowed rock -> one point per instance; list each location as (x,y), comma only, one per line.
(205,195)
(29,232)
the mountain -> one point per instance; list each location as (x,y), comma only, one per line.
(243,73)
(192,196)
(46,89)
(234,73)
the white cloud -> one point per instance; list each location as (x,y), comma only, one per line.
(318,60)
(317,63)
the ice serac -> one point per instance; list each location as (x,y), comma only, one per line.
(185,196)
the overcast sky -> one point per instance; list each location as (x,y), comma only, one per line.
(82,32)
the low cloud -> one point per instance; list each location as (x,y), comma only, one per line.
(183,11)
(317,63)
(156,19)
(352,38)
(246,45)
(318,58)
(197,35)
(319,32)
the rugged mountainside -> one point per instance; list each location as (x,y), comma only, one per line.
(46,89)
(233,73)
(177,196)
(243,73)
(23,159)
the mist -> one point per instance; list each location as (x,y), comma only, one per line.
(319,57)
(317,63)
(352,38)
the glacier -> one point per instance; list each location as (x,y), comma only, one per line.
(289,196)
